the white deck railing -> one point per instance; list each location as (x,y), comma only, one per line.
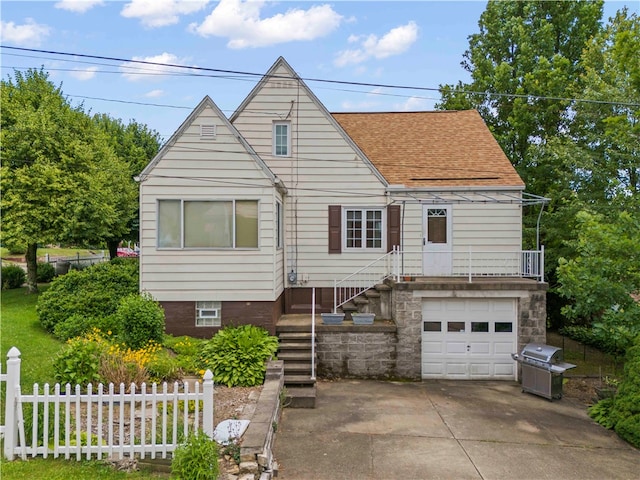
(399,264)
(107,421)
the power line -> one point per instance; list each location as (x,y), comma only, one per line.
(323,80)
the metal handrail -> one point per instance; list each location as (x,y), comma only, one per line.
(366,279)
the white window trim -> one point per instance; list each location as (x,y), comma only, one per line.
(383,242)
(233,223)
(273,150)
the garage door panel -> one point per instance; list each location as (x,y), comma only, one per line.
(433,347)
(469,338)
(479,348)
(432,370)
(456,369)
(480,370)
(452,347)
(504,370)
(503,348)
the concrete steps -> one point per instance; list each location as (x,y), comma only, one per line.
(295,352)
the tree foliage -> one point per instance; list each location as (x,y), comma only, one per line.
(602,280)
(560,91)
(61,180)
(531,50)
(608,171)
(135,144)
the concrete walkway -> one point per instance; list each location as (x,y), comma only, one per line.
(444,429)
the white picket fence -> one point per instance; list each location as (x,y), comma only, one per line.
(104,421)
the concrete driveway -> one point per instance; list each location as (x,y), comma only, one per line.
(445,429)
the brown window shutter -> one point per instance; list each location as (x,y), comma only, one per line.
(393,227)
(335,228)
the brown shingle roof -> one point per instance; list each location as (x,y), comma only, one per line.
(431,149)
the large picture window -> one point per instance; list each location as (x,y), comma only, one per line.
(363,228)
(207,224)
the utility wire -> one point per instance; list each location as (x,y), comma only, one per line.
(323,80)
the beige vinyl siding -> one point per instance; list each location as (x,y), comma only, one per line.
(209,169)
(479,226)
(323,169)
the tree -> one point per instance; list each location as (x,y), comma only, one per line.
(602,280)
(136,145)
(609,132)
(61,181)
(526,58)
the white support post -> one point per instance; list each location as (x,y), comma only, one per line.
(10,407)
(208,403)
(313,333)
(541,264)
(470,263)
(335,297)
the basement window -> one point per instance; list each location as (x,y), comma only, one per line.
(208,314)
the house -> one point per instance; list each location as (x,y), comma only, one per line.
(244,218)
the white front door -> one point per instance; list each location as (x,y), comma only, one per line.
(436,249)
(469,338)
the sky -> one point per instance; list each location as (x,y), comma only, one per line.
(409,43)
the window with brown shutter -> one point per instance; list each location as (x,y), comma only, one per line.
(393,227)
(335,228)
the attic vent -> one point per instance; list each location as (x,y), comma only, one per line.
(207,131)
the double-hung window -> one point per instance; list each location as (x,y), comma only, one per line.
(363,228)
(282,139)
(207,224)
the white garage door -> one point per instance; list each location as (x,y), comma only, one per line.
(469,338)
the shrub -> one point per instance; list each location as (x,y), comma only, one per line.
(13,276)
(114,368)
(77,325)
(92,293)
(45,272)
(622,412)
(187,350)
(142,320)
(164,368)
(237,355)
(79,361)
(594,337)
(196,458)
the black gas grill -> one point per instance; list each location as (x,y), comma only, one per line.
(542,369)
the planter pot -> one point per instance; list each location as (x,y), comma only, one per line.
(363,318)
(332,318)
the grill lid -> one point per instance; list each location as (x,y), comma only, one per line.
(543,356)
(542,353)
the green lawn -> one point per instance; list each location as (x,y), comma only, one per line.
(20,328)
(53,252)
(60,469)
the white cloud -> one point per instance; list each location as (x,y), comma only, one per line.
(84,73)
(412,104)
(240,22)
(154,94)
(394,42)
(160,13)
(78,6)
(140,71)
(29,34)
